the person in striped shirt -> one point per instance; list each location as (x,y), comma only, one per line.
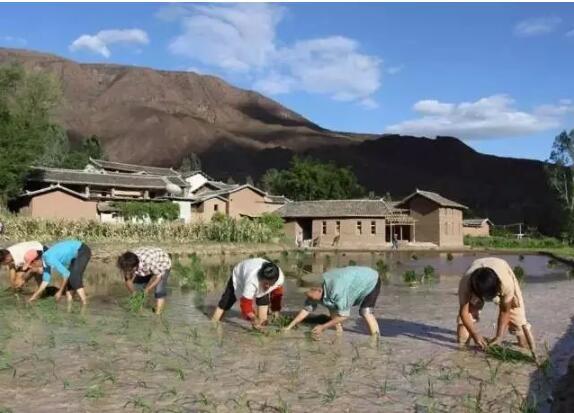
(146,269)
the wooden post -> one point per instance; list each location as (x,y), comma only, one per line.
(401,232)
(413,226)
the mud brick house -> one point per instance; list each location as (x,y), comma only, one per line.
(357,223)
(92,193)
(477,227)
(422,217)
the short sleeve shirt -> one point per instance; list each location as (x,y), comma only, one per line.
(246,281)
(17,251)
(509,288)
(152,261)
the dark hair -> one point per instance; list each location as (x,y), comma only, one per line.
(269,272)
(3,254)
(485,283)
(127,261)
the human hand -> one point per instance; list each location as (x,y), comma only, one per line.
(481,342)
(495,341)
(317,331)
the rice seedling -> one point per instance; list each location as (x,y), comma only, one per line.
(382,267)
(5,410)
(430,388)
(410,277)
(519,272)
(449,256)
(280,321)
(428,274)
(552,263)
(419,366)
(521,257)
(139,403)
(191,276)
(414,257)
(352,263)
(136,302)
(94,392)
(508,355)
(493,371)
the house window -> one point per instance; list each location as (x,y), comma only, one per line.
(338,227)
(324,227)
(359,227)
(216,207)
(373,227)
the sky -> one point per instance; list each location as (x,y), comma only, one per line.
(498,76)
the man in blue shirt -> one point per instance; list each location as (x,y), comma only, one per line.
(343,288)
(69,258)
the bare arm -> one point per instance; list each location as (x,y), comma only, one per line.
(152,284)
(38,291)
(336,319)
(130,285)
(503,321)
(298,319)
(468,322)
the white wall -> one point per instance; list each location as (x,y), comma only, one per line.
(184,210)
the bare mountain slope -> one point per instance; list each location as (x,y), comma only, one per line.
(157,117)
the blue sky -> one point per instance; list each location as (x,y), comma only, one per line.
(499,76)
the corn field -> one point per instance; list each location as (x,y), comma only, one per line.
(226,230)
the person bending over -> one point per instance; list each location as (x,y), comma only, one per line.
(343,288)
(70,258)
(13,258)
(146,269)
(254,279)
(492,279)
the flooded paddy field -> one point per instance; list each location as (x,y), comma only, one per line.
(106,359)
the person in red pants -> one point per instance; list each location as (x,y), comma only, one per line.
(254,279)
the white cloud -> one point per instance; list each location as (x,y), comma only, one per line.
(238,37)
(536,26)
(100,42)
(13,40)
(241,38)
(491,117)
(393,70)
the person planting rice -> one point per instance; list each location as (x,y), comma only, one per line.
(341,289)
(13,258)
(70,258)
(254,279)
(490,279)
(146,269)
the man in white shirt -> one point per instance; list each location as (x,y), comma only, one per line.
(13,258)
(253,279)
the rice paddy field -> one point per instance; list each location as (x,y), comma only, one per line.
(117,356)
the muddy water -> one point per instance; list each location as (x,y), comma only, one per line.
(108,360)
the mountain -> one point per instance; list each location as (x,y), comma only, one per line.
(157,117)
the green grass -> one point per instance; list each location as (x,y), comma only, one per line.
(508,355)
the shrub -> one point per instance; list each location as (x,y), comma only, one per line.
(272,221)
(154,211)
(511,242)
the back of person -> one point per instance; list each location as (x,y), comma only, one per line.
(509,286)
(348,284)
(63,252)
(245,277)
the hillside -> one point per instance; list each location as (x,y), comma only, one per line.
(157,117)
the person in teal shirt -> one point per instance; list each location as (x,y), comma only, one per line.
(70,258)
(343,288)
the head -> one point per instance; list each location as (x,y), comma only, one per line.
(268,275)
(485,283)
(128,263)
(314,294)
(5,257)
(33,261)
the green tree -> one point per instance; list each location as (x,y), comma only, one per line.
(190,163)
(27,102)
(309,179)
(61,154)
(560,171)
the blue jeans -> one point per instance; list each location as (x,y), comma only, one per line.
(140,283)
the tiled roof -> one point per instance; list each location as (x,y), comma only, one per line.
(117,180)
(130,168)
(434,197)
(336,208)
(277,199)
(475,222)
(51,188)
